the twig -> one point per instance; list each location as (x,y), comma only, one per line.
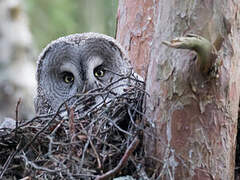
(94,149)
(10,157)
(96,154)
(36,166)
(53,131)
(110,174)
(119,128)
(17,109)
(71,124)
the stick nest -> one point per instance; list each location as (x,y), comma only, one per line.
(101,141)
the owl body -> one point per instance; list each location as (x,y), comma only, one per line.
(76,64)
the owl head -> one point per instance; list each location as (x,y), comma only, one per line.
(76,64)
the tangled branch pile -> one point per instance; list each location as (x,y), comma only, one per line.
(101,141)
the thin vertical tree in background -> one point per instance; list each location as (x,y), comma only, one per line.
(193,111)
(17,70)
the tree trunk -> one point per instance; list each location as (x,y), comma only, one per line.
(194,116)
(17,71)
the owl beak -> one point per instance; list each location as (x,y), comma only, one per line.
(83,89)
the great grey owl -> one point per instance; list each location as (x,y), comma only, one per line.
(75,64)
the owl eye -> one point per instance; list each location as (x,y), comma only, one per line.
(68,77)
(99,72)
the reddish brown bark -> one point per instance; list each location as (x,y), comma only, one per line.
(194,116)
(135,31)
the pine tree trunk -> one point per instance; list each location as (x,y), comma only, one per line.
(194,116)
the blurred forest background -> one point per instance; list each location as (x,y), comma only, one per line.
(26,27)
(52,19)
